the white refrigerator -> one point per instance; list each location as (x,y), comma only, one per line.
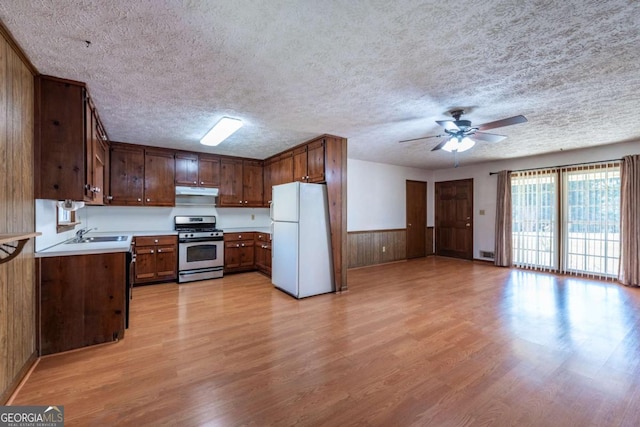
(301,262)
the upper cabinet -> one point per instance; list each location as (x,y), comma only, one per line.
(71,143)
(241,183)
(197,170)
(141,177)
(159,177)
(308,162)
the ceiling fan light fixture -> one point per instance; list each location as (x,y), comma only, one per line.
(451,145)
(465,144)
(222,130)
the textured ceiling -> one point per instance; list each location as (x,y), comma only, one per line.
(163,72)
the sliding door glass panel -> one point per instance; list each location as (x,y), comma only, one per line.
(591,220)
(535,219)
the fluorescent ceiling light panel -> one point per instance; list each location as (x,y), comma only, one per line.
(221,131)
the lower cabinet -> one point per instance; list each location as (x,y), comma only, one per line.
(156,259)
(239,252)
(263,253)
(82,300)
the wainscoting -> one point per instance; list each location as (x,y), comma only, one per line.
(366,247)
(17,277)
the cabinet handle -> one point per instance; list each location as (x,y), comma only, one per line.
(109,197)
(242,245)
(155,241)
(237,245)
(148,200)
(240,236)
(159,250)
(96,189)
(201,182)
(139,199)
(151,251)
(245,202)
(194,182)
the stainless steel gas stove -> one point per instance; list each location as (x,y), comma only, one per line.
(200,248)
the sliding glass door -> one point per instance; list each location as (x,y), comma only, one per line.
(567,219)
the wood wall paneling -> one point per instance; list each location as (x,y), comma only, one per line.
(429,241)
(336,179)
(17,277)
(366,247)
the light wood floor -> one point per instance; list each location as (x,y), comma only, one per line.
(429,342)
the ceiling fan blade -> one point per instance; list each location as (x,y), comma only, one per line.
(439,146)
(488,137)
(417,139)
(504,122)
(447,124)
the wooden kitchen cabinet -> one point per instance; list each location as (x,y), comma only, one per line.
(159,178)
(241,183)
(127,175)
(263,253)
(239,252)
(267,174)
(156,259)
(197,170)
(67,129)
(252,182)
(141,177)
(82,300)
(308,162)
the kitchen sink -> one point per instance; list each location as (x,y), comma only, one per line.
(99,239)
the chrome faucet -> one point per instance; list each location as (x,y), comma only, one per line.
(80,233)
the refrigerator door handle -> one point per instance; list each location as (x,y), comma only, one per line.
(271,210)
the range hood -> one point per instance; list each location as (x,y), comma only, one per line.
(196,191)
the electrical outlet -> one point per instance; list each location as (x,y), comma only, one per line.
(253,217)
(384,249)
(481,211)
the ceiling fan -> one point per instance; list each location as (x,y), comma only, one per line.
(460,131)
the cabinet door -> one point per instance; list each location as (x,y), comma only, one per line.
(60,138)
(231,255)
(259,252)
(267,258)
(315,161)
(300,164)
(247,256)
(186,165)
(252,183)
(127,175)
(285,168)
(209,171)
(159,178)
(145,266)
(267,182)
(99,168)
(90,142)
(231,183)
(166,262)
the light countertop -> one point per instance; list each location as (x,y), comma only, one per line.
(68,249)
(266,230)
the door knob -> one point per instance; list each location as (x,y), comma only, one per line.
(409,224)
(468,225)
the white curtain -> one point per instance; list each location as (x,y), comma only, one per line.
(629,273)
(503,247)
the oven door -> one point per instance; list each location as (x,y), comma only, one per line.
(196,255)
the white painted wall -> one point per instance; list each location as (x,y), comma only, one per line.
(485,185)
(376,195)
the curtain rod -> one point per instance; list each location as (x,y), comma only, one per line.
(562,166)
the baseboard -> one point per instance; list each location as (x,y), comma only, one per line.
(484,261)
(21,378)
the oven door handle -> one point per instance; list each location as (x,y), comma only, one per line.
(201,239)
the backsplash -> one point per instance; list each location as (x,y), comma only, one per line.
(133,218)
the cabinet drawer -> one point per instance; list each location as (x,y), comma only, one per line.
(263,237)
(238,244)
(238,236)
(155,240)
